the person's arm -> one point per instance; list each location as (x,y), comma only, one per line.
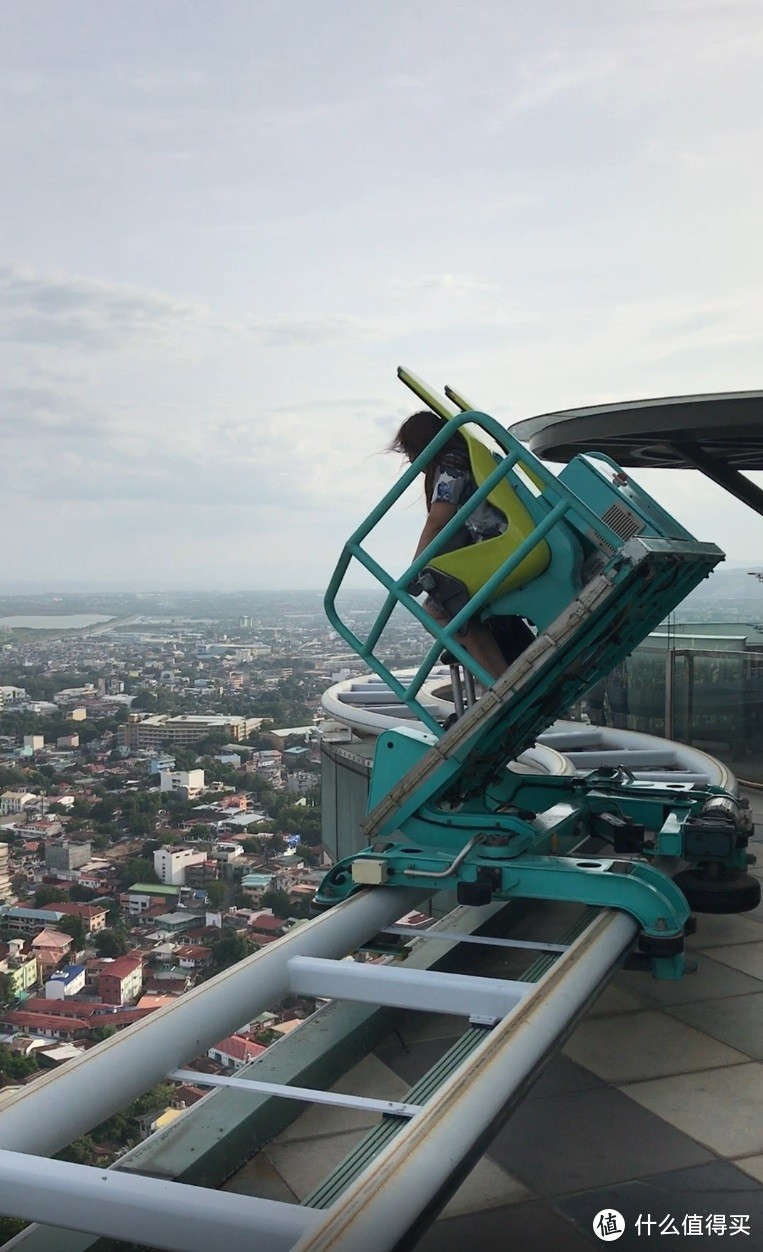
(438,516)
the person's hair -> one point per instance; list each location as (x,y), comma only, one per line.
(416,432)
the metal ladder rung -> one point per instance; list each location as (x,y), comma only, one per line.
(308,1094)
(532,944)
(487,999)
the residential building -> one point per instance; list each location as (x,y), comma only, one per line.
(93,916)
(19,965)
(175,923)
(189,783)
(75,695)
(67,856)
(254,886)
(235,1052)
(142,897)
(52,1027)
(159,729)
(120,981)
(15,801)
(22,921)
(11,695)
(50,947)
(192,956)
(226,852)
(69,981)
(34,743)
(6,890)
(161,761)
(171,864)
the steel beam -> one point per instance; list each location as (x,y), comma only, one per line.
(146,1210)
(68,1102)
(420,1169)
(308,1095)
(421,989)
(416,932)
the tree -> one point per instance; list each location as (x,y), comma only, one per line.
(14,1066)
(75,927)
(80,894)
(140,824)
(215,893)
(102,1033)
(111,943)
(202,831)
(141,869)
(7,994)
(233,947)
(150,847)
(278,901)
(48,895)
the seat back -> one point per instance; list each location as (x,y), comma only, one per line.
(474,564)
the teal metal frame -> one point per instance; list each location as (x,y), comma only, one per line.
(446,810)
(563,504)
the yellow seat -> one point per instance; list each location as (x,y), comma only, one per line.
(472,565)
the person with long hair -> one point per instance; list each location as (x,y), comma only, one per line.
(448,483)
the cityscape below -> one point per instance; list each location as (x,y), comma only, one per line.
(160,805)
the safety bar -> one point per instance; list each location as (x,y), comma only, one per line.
(563,501)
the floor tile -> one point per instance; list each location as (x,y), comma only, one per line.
(716,1188)
(752,1165)
(562,1076)
(418,1027)
(487,1187)
(714,929)
(369,1078)
(531,1227)
(737,1021)
(260,1178)
(412,1061)
(721,1108)
(305,1164)
(712,980)
(618,997)
(588,1139)
(635,1046)
(747,957)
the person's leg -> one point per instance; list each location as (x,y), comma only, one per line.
(477,639)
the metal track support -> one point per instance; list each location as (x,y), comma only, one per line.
(146,1210)
(424,1163)
(68,1102)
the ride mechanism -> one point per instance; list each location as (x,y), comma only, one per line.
(594,564)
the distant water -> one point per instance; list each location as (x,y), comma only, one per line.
(73,622)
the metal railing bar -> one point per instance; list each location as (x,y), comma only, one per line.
(147,1211)
(307,1094)
(68,1102)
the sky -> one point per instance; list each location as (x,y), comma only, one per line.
(222,227)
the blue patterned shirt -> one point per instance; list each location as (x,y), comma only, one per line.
(453,484)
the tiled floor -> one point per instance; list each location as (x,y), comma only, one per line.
(655,1109)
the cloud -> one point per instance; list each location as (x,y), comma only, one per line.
(560,72)
(60,310)
(312,332)
(452,284)
(44,412)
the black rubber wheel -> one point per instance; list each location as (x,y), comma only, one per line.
(731,893)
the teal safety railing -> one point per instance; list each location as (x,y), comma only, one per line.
(560,501)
